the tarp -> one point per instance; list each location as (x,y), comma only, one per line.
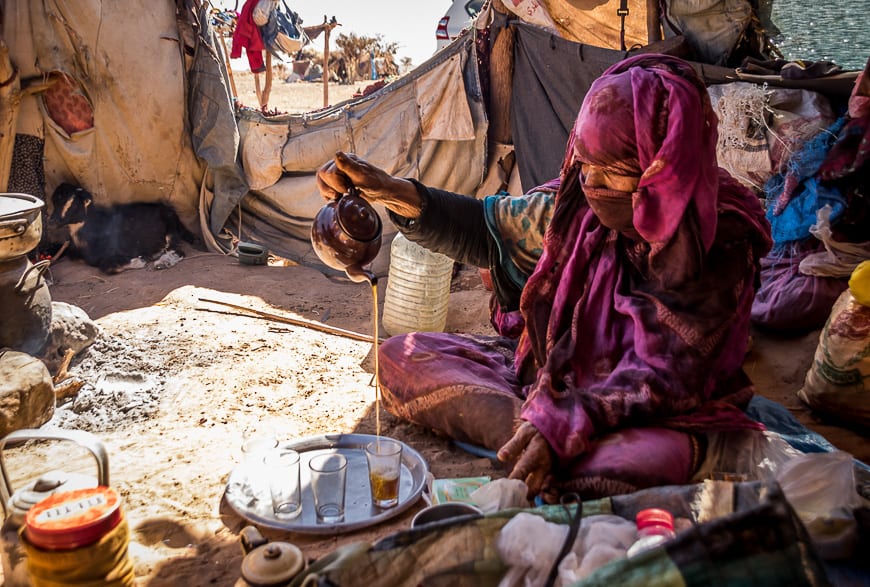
(127,58)
(551,78)
(429,125)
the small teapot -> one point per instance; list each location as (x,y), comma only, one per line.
(268,564)
(346,234)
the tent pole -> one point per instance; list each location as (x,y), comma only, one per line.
(229,66)
(653,22)
(257,89)
(326,31)
(267,89)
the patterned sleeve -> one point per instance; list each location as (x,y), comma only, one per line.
(517,224)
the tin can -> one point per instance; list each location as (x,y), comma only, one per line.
(78,538)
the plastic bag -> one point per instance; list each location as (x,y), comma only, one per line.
(262,10)
(283,33)
(748,455)
(821,489)
(838,259)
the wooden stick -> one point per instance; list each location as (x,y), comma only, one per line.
(326,63)
(229,66)
(257,89)
(267,89)
(62,373)
(295,321)
(68,388)
(653,22)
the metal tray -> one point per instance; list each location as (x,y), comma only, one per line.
(252,501)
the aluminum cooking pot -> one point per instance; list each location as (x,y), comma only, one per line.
(20,224)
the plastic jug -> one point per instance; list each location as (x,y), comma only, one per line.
(418,289)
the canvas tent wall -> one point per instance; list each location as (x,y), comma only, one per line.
(127,62)
(429,125)
(165,127)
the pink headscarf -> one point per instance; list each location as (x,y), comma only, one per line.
(650,116)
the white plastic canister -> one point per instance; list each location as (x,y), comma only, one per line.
(418,289)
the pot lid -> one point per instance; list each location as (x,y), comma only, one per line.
(275,563)
(15,204)
(358,219)
(72,519)
(45,485)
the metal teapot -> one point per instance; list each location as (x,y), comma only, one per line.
(25,322)
(268,564)
(17,503)
(346,235)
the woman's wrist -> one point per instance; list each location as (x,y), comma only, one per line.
(402,198)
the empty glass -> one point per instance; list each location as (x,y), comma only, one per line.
(282,465)
(328,477)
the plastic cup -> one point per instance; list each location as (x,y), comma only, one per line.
(384,458)
(328,477)
(282,465)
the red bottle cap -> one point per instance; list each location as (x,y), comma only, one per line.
(72,519)
(654,517)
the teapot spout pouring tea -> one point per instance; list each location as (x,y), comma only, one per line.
(346,235)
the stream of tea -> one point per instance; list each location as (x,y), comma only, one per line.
(374,286)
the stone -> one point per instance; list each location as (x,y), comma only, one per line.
(71,329)
(26,392)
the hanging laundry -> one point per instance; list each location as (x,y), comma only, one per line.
(247,36)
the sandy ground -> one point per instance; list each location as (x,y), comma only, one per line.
(294,97)
(173,381)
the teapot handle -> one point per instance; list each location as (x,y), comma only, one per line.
(85,439)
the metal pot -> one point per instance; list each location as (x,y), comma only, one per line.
(20,224)
(25,299)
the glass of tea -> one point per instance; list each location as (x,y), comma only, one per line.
(384,458)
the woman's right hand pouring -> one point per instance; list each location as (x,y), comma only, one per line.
(374,184)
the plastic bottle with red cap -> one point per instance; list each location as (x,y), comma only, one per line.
(654,527)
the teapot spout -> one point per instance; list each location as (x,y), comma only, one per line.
(359,275)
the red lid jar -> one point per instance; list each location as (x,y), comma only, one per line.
(73,519)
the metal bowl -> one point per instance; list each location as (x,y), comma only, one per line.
(20,224)
(444,511)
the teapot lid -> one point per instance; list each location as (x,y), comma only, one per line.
(45,485)
(274,563)
(358,218)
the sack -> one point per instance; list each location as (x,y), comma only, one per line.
(263,10)
(283,33)
(836,383)
(726,528)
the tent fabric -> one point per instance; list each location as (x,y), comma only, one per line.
(95,42)
(596,23)
(543,106)
(215,135)
(429,125)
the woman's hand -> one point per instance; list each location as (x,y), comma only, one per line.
(347,170)
(532,455)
